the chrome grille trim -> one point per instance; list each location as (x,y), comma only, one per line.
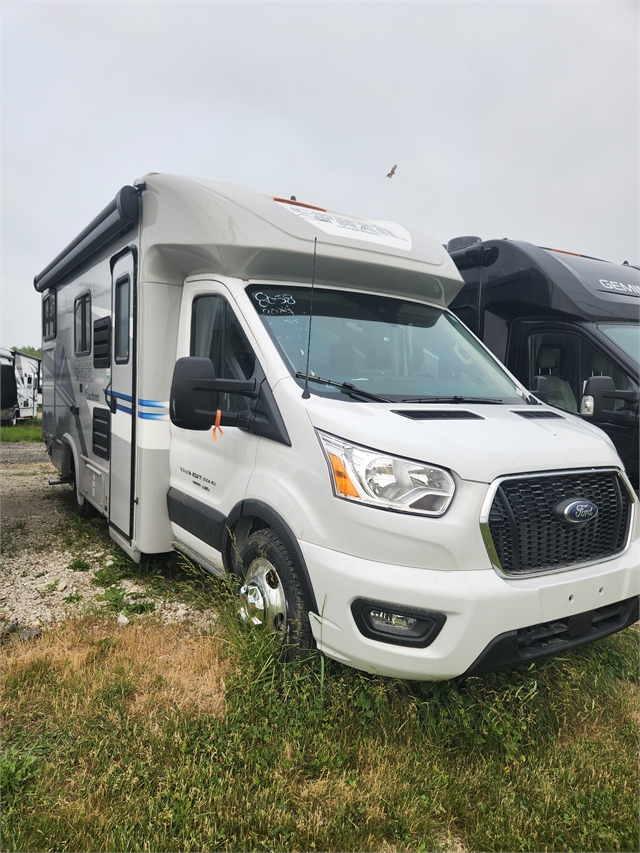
(488,503)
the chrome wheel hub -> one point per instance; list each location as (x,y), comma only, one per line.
(262,597)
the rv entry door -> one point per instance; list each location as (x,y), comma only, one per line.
(123,312)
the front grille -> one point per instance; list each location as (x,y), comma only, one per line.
(529,537)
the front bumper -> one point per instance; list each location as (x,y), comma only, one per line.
(480,607)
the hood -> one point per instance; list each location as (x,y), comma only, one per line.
(493,442)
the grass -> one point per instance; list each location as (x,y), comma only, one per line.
(151,737)
(29,429)
(154,738)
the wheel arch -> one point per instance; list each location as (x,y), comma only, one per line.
(70,459)
(251,515)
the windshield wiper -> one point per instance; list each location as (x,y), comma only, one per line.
(346,388)
(497,401)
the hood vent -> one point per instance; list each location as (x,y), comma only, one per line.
(438,415)
(545,414)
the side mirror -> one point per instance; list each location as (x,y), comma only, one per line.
(597,390)
(191,402)
(540,388)
(195,395)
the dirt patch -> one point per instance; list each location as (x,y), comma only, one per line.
(49,555)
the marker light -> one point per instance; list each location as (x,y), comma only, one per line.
(389,482)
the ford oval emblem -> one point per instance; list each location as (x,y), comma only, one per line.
(576,510)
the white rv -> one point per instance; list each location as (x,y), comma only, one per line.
(280,390)
(20,385)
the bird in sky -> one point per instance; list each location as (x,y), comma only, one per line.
(392,172)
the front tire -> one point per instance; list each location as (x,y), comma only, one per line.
(271,595)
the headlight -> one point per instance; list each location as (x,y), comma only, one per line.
(368,476)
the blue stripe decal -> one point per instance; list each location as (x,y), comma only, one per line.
(124,409)
(152,416)
(121,396)
(154,404)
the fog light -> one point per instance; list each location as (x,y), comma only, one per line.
(394,623)
(401,626)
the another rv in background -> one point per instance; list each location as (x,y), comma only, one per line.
(566,325)
(20,385)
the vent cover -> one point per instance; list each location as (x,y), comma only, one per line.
(102,342)
(545,414)
(438,415)
(101,430)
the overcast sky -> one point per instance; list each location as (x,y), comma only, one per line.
(515,119)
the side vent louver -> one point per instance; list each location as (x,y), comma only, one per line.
(102,342)
(101,430)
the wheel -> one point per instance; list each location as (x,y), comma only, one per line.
(271,595)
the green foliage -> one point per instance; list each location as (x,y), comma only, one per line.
(18,769)
(29,429)
(118,601)
(34,351)
(79,565)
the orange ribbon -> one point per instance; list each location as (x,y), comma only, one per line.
(217,427)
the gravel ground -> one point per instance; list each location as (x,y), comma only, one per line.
(48,560)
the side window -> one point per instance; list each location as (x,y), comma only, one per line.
(593,362)
(82,324)
(555,355)
(217,334)
(49,316)
(496,332)
(469,316)
(122,314)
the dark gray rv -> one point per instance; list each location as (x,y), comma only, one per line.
(566,325)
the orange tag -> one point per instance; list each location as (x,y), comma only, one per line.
(217,427)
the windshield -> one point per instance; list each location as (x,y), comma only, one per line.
(627,337)
(389,347)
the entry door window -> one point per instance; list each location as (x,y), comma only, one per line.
(217,334)
(122,314)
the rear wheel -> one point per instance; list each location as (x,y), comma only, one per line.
(271,595)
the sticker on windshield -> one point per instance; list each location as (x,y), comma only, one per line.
(384,233)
